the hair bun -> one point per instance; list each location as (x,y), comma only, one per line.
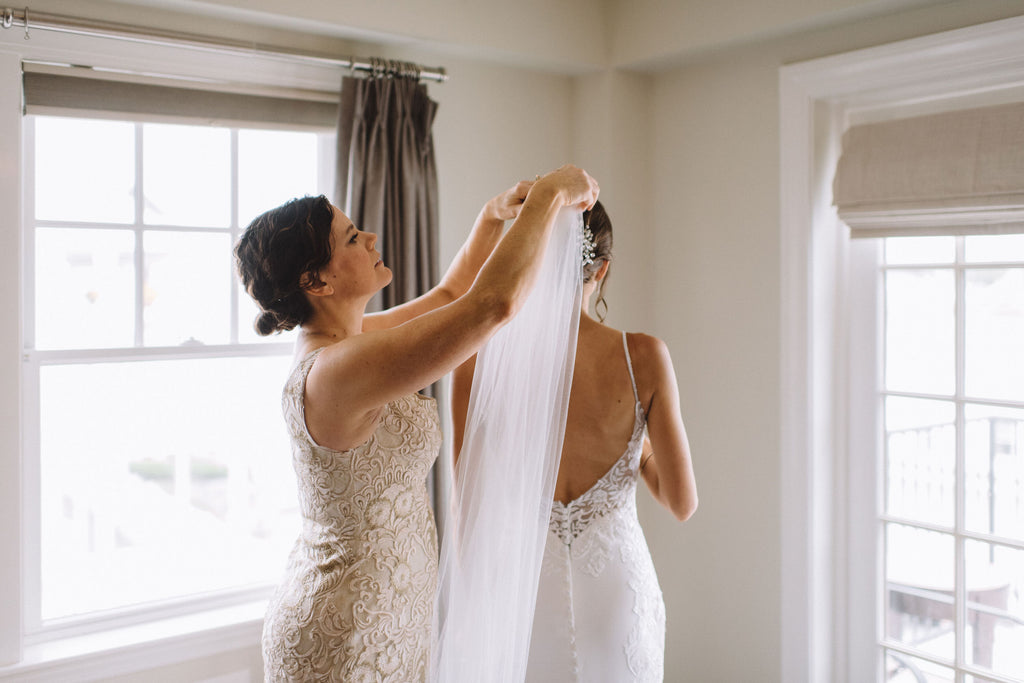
(267,323)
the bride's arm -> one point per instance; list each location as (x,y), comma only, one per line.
(665,463)
(463,270)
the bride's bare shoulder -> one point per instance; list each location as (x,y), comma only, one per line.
(645,345)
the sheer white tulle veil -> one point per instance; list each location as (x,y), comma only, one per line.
(492,550)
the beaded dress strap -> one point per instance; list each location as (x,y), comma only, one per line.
(629,364)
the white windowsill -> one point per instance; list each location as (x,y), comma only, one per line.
(144,646)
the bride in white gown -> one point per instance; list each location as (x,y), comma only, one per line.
(599,612)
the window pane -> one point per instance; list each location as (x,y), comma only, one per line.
(187,293)
(920,587)
(901,668)
(995,608)
(994,248)
(921,459)
(919,331)
(995,334)
(916,250)
(85,170)
(84,288)
(273,167)
(187,175)
(994,470)
(158,480)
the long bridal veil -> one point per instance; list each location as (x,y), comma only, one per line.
(492,550)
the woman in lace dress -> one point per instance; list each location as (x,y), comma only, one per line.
(599,615)
(356,603)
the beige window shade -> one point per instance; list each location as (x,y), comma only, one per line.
(59,91)
(955,173)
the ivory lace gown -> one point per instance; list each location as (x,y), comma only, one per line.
(356,603)
(600,615)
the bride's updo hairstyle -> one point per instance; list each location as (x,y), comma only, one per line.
(279,255)
(601,229)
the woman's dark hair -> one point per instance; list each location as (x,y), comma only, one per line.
(601,229)
(279,255)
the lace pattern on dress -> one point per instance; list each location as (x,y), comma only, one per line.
(357,600)
(615,489)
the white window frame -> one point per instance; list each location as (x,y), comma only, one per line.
(125,646)
(830,557)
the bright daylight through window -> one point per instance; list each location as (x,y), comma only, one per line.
(156,449)
(953,403)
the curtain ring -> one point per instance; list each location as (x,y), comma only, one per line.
(27,36)
(8,18)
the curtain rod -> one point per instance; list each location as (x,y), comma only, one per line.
(32,20)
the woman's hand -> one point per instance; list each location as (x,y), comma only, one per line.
(486,232)
(506,205)
(575,186)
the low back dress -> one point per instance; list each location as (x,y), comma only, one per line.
(356,603)
(600,614)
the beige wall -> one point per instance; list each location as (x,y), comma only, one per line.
(688,160)
(716,298)
(715,168)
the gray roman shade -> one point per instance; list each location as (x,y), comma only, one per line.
(50,90)
(954,173)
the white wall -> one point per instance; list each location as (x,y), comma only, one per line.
(659,31)
(716,295)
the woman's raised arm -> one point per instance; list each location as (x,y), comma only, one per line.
(459,277)
(354,378)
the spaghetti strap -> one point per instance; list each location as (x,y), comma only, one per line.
(629,364)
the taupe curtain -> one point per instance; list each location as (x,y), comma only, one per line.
(387,184)
(387,179)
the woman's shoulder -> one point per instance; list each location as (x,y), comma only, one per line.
(651,361)
(646,347)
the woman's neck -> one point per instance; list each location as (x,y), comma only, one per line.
(334,323)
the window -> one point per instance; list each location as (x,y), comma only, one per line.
(952,522)
(158,472)
(847,428)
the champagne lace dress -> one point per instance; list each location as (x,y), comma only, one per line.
(356,603)
(600,615)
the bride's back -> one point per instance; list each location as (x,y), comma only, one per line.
(601,409)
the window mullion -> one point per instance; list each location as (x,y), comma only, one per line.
(140,257)
(31,479)
(29,234)
(235,229)
(960,585)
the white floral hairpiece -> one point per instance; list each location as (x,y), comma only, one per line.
(589,248)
